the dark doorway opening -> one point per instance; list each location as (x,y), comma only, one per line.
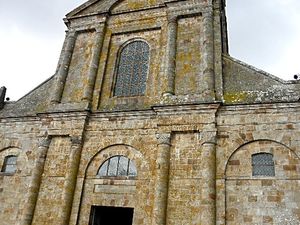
(104,215)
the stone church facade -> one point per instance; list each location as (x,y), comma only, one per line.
(148,120)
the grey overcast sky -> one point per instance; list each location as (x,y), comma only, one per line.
(263,33)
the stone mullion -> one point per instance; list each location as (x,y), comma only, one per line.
(209,181)
(35,182)
(208,50)
(64,68)
(171,55)
(162,179)
(88,91)
(70,179)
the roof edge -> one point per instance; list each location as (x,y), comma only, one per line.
(260,70)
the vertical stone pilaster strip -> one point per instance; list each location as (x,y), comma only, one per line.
(35,182)
(209,181)
(220,43)
(162,179)
(88,91)
(62,72)
(208,54)
(171,55)
(70,179)
(220,201)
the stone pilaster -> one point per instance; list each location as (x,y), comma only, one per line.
(62,72)
(35,182)
(209,179)
(171,55)
(88,91)
(208,50)
(70,180)
(162,179)
(220,46)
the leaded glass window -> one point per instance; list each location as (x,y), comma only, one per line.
(9,164)
(263,165)
(132,69)
(118,166)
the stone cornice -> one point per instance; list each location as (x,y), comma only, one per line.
(186,109)
(12,119)
(260,107)
(132,114)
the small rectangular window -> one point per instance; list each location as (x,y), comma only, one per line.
(263,165)
(9,164)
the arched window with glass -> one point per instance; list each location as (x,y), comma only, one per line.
(263,165)
(132,69)
(118,167)
(9,164)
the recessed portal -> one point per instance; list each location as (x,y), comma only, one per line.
(103,215)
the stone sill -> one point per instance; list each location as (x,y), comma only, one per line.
(7,174)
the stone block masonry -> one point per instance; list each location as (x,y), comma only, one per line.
(209,140)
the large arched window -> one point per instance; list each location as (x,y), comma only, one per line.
(118,166)
(263,165)
(132,69)
(9,164)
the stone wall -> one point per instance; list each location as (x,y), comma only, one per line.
(242,197)
(192,144)
(18,138)
(258,199)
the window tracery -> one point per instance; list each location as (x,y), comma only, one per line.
(132,69)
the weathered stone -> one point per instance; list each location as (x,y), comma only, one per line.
(191,137)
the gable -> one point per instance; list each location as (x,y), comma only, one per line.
(115,6)
(132,5)
(92,7)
